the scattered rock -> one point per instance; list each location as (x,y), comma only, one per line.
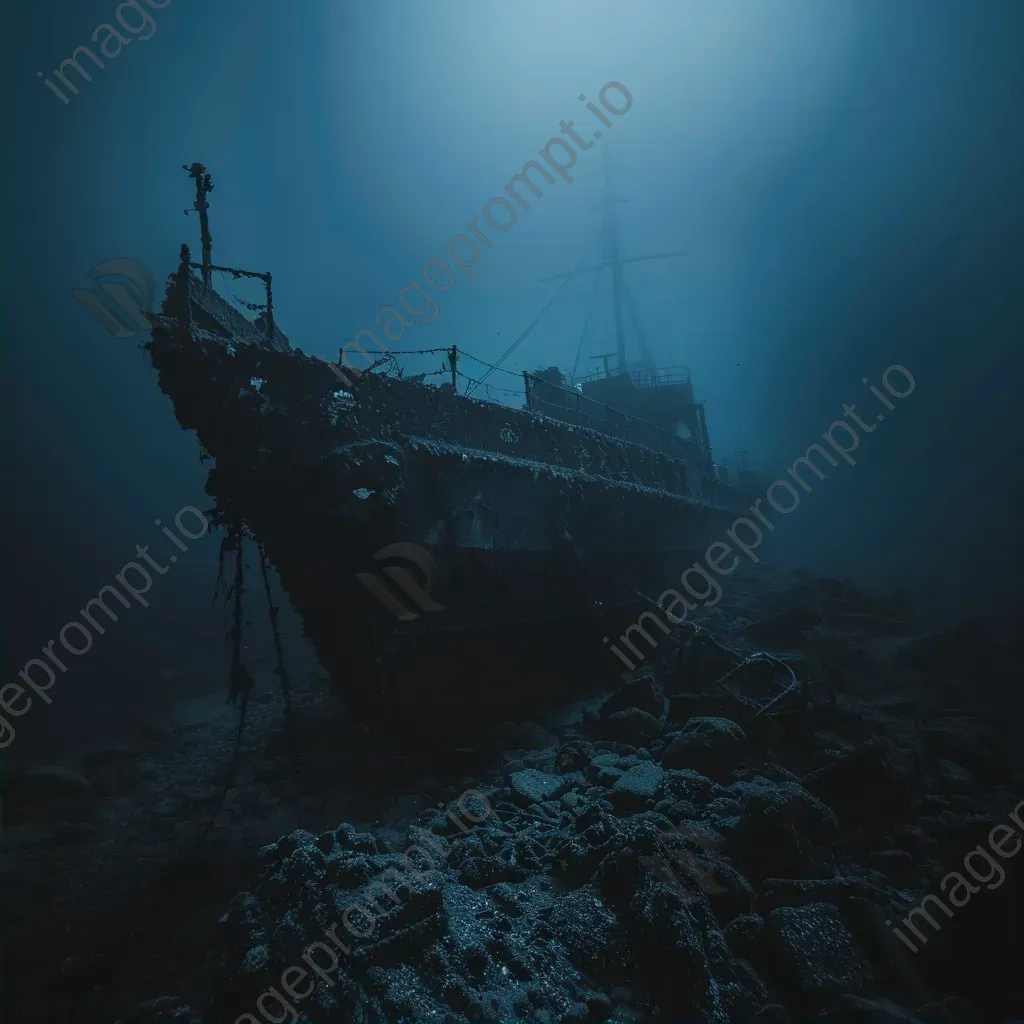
(798,892)
(636,787)
(681,810)
(573,757)
(643,694)
(865,782)
(743,934)
(810,955)
(607,776)
(711,746)
(531,786)
(687,784)
(723,870)
(784,832)
(633,726)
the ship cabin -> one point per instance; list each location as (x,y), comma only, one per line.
(649,405)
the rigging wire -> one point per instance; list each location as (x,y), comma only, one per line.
(634,316)
(477,359)
(529,328)
(417,351)
(586,323)
(241,679)
(482,383)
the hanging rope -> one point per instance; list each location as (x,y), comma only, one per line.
(536,320)
(279,651)
(241,680)
(255,307)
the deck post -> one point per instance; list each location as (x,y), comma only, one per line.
(184,281)
(270,312)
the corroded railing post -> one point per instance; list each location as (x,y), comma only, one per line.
(183,288)
(270,312)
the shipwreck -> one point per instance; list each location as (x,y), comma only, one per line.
(456,562)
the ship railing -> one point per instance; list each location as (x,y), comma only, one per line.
(646,376)
(263,332)
(572,406)
(660,377)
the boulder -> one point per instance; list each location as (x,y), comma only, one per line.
(635,787)
(642,693)
(712,746)
(633,726)
(812,959)
(686,784)
(784,832)
(866,782)
(533,787)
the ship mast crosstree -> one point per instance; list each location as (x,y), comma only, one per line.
(622,301)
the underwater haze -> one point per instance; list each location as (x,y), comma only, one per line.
(842,180)
(556,463)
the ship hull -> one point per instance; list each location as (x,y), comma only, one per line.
(454,562)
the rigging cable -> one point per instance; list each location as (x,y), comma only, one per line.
(241,680)
(477,359)
(522,337)
(482,383)
(645,348)
(586,323)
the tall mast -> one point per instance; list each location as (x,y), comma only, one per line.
(612,257)
(204,186)
(610,236)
